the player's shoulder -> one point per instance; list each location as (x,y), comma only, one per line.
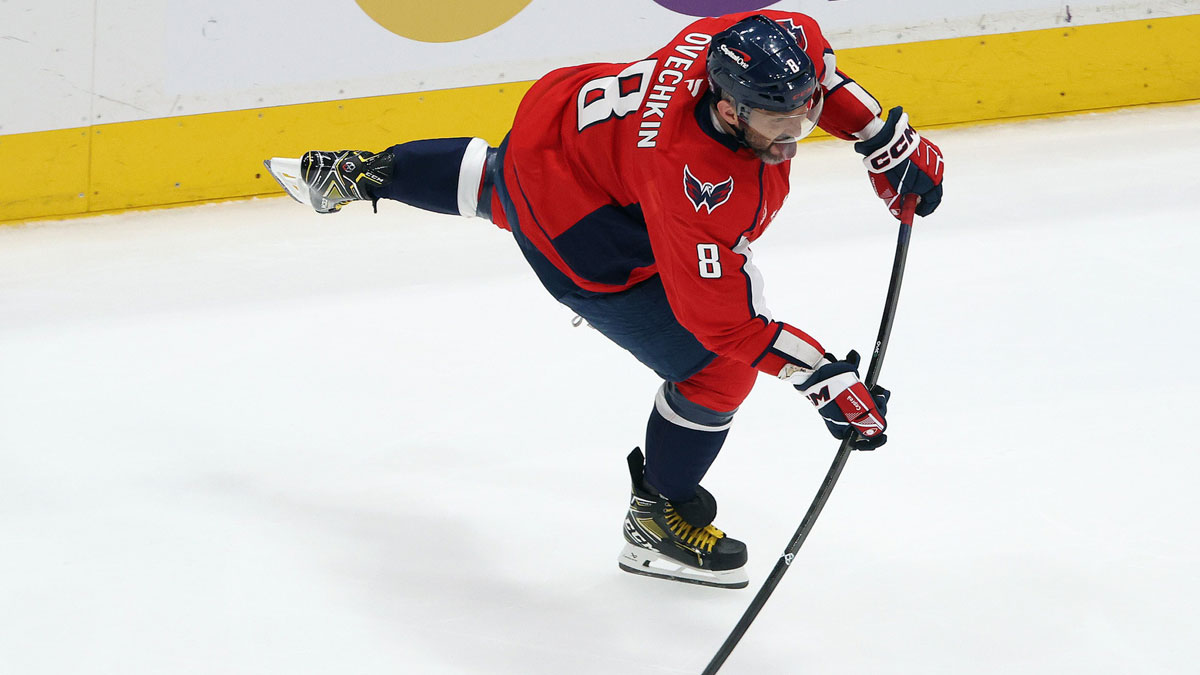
(697,138)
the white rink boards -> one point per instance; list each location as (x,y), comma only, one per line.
(128,60)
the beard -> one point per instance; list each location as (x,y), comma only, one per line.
(775,153)
(767,150)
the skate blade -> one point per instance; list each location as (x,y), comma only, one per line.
(286,172)
(647,563)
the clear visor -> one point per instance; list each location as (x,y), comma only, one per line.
(787,127)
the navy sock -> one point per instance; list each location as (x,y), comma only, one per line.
(425,174)
(682,441)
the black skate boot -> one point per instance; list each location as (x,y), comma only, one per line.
(327,180)
(678,541)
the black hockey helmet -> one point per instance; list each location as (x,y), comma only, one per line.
(760,66)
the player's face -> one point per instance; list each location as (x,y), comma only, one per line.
(773,136)
(768,149)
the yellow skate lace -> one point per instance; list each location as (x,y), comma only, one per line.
(704,538)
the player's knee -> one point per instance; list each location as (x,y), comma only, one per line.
(681,410)
(722,386)
(443,175)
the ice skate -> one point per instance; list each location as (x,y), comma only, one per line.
(661,543)
(328,180)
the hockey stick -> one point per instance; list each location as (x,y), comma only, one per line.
(843,453)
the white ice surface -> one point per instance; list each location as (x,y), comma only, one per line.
(244,438)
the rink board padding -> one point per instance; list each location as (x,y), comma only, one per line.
(216,156)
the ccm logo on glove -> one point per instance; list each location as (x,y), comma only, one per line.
(850,396)
(846,404)
(900,162)
(899,150)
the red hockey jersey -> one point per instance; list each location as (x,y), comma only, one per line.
(619,172)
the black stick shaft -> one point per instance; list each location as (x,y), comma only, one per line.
(839,460)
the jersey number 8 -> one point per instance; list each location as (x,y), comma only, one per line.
(710,261)
(616,96)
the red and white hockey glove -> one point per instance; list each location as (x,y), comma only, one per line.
(899,162)
(843,401)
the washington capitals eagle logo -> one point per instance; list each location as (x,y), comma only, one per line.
(708,195)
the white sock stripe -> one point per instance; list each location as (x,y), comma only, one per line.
(669,414)
(470,172)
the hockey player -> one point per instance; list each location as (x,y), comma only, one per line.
(634,191)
